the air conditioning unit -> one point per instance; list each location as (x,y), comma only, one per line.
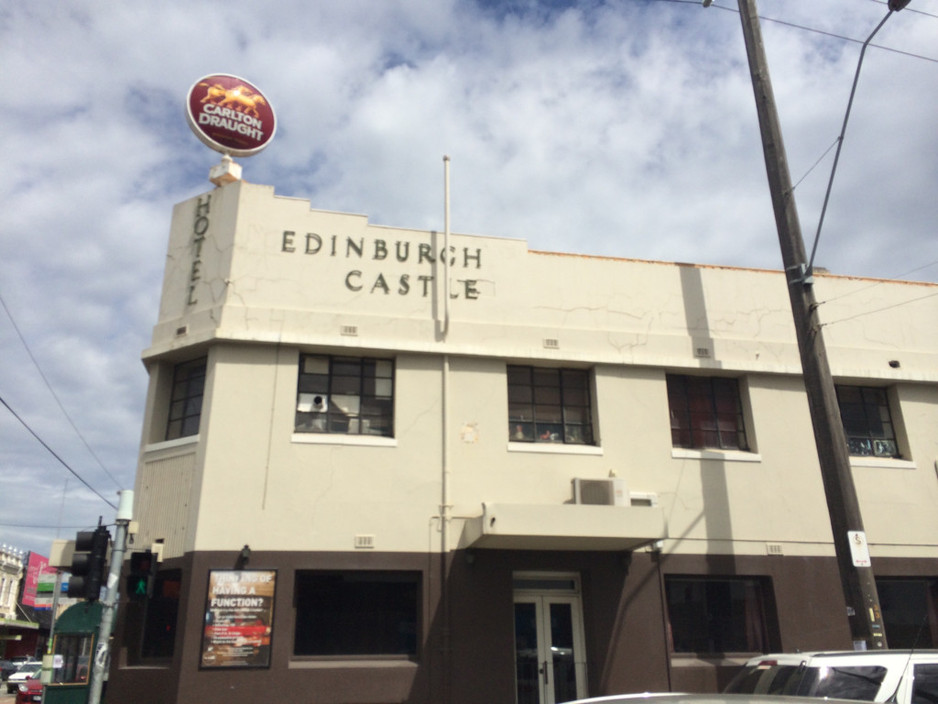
(601,492)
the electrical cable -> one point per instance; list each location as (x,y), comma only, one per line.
(52,452)
(55,395)
(878,310)
(39,526)
(815,30)
(898,277)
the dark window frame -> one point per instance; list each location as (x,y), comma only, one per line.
(550,405)
(700,416)
(161,618)
(186,398)
(345,395)
(910,611)
(867,417)
(366,614)
(701,621)
(77,653)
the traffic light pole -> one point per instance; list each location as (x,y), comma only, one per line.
(856,574)
(109,604)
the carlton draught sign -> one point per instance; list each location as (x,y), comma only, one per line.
(230,115)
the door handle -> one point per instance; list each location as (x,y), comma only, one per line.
(546,673)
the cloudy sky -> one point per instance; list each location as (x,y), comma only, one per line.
(613,127)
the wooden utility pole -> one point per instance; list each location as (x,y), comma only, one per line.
(856,574)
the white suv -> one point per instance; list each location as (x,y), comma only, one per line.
(900,676)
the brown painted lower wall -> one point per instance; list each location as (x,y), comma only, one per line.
(466,652)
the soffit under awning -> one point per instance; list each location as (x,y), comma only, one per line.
(564,527)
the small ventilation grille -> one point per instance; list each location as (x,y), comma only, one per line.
(551,343)
(364,542)
(774,549)
(643,498)
(702,352)
(350,330)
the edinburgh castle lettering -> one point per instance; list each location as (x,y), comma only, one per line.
(400,252)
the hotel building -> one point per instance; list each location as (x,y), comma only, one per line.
(389,465)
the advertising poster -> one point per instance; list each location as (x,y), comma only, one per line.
(35,567)
(239,611)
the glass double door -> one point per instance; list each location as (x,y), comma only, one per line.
(549,654)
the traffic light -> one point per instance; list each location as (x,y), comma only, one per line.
(140,578)
(89,564)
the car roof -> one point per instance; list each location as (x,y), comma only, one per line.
(792,658)
(678,698)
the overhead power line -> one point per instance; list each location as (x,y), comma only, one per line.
(815,30)
(53,453)
(55,395)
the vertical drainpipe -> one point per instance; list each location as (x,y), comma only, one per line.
(444,446)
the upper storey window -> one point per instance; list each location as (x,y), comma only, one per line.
(345,395)
(706,412)
(549,405)
(867,421)
(185,406)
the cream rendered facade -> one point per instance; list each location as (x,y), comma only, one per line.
(253,281)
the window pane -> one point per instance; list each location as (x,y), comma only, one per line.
(546,377)
(356,613)
(185,406)
(518,411)
(712,615)
(867,421)
(346,384)
(383,388)
(556,400)
(705,412)
(315,365)
(338,391)
(908,608)
(578,434)
(162,610)
(575,397)
(519,375)
(549,432)
(925,687)
(520,394)
(548,414)
(314,383)
(544,394)
(521,432)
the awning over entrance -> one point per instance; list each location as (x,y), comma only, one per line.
(564,527)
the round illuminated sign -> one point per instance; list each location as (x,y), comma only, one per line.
(230,115)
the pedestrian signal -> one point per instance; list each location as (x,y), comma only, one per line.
(140,578)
